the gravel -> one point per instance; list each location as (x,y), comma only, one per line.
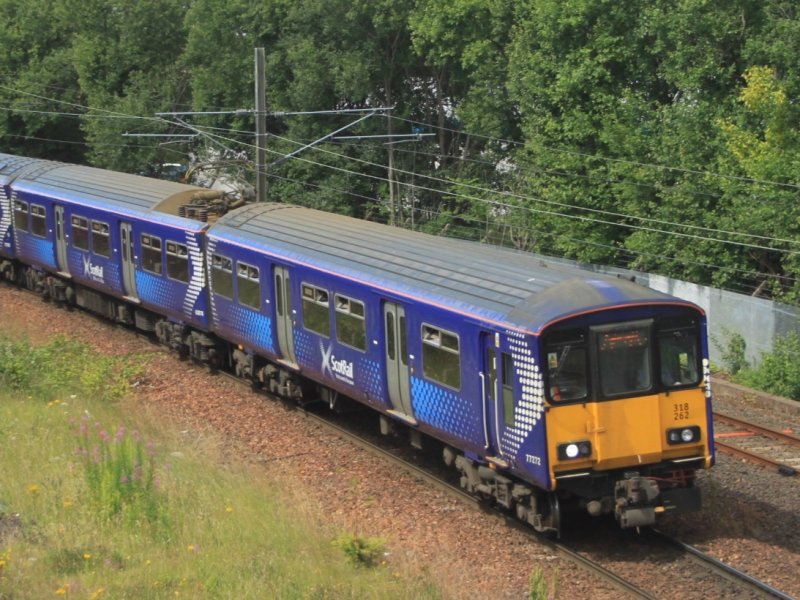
(749,519)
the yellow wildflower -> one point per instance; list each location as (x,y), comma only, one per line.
(86,556)
(33,489)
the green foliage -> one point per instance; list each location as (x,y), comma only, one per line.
(120,474)
(236,530)
(538,588)
(63,365)
(778,372)
(363,552)
(646,134)
(733,352)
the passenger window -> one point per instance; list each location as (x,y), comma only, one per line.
(177,262)
(567,378)
(100,243)
(151,254)
(316,311)
(351,328)
(249,285)
(623,353)
(21,215)
(222,276)
(508,389)
(38,221)
(678,352)
(80,233)
(441,356)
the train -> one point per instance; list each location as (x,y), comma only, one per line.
(547,388)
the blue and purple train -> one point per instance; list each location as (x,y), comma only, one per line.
(545,386)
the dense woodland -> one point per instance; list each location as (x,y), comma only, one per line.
(659,135)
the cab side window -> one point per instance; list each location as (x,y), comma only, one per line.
(508,388)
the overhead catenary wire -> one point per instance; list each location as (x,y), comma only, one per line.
(615,160)
(597,211)
(494,202)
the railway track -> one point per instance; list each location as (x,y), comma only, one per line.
(776,450)
(727,576)
(558,548)
(637,588)
(750,584)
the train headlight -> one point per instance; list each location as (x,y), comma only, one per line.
(573,450)
(683,435)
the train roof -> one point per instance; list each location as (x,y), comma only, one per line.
(12,166)
(517,288)
(122,192)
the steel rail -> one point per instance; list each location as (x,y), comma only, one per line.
(457,493)
(723,569)
(558,547)
(780,468)
(765,431)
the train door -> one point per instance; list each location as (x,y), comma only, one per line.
(498,394)
(283,314)
(396,351)
(61,241)
(128,261)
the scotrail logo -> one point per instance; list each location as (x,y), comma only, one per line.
(341,369)
(93,272)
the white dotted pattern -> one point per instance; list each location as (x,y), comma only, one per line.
(198,278)
(212,246)
(707,377)
(5,215)
(530,405)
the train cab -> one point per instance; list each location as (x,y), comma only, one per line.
(628,410)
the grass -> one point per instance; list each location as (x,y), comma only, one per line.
(98,498)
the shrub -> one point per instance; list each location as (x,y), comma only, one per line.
(779,371)
(733,352)
(120,474)
(65,365)
(538,588)
(361,551)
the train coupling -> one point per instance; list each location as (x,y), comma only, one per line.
(639,500)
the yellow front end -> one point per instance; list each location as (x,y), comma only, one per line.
(627,432)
